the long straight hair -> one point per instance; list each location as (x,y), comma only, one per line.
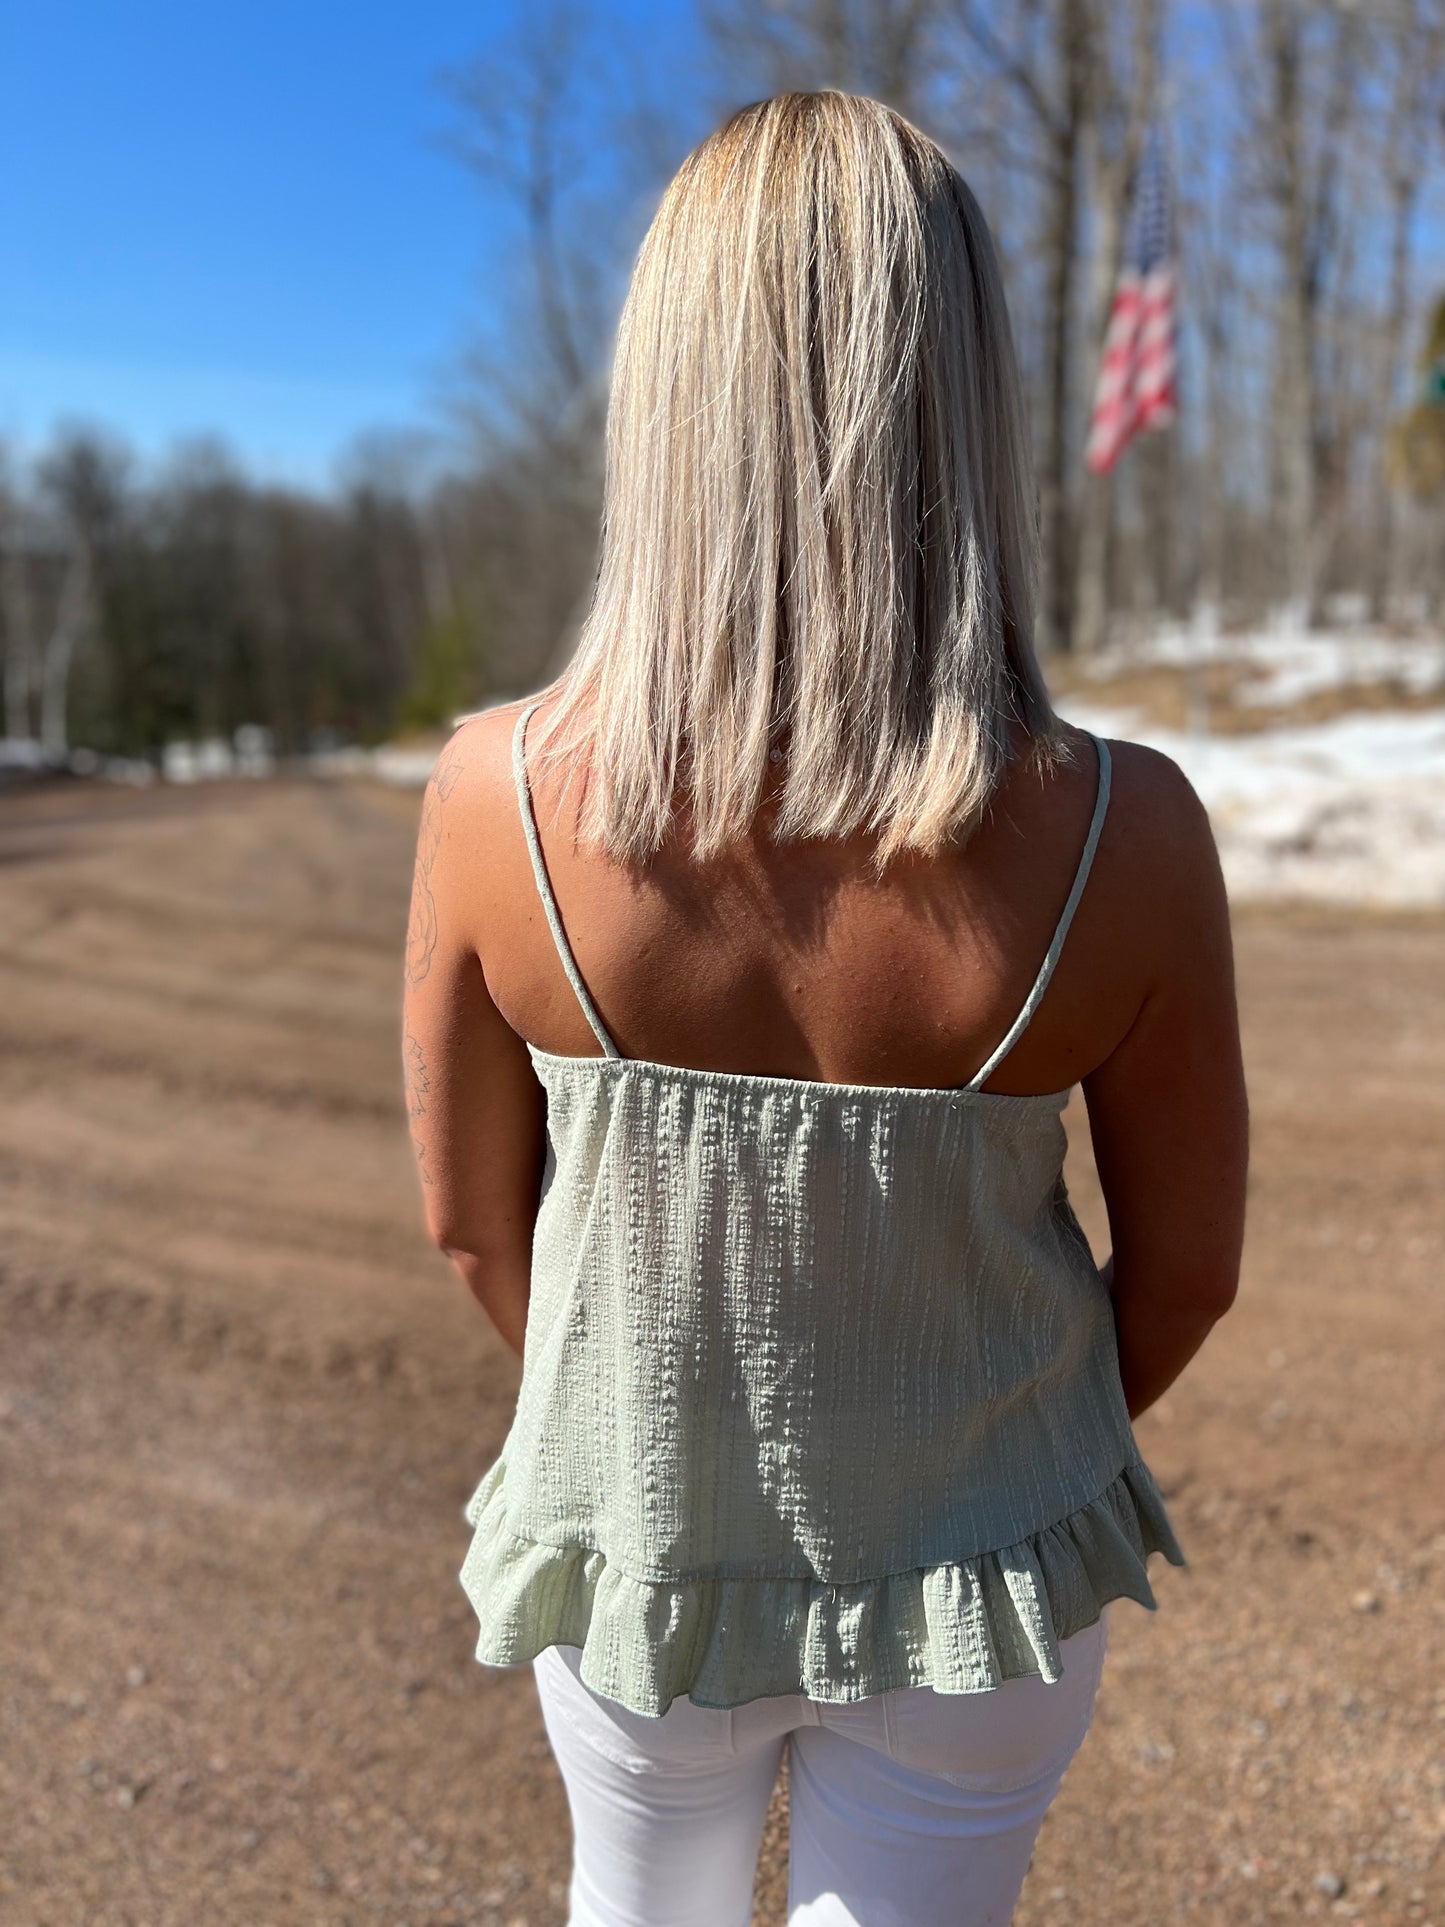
(819,532)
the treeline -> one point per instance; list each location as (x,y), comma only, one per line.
(138,611)
(1306,141)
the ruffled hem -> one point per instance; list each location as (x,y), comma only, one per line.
(965,1626)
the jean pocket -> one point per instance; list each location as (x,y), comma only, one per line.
(1017,1735)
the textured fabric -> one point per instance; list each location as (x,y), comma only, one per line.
(820,1389)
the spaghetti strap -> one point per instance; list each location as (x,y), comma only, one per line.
(544,886)
(1055,949)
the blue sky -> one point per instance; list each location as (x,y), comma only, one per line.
(243,219)
(238,219)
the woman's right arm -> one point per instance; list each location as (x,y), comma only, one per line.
(1168,1111)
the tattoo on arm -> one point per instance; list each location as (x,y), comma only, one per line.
(421,936)
(417,1084)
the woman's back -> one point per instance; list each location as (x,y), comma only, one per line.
(794,960)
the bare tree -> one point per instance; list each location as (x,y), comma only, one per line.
(16,607)
(1413,36)
(1301,75)
(877,47)
(1125,48)
(71,615)
(1209,284)
(80,487)
(533,399)
(1044,53)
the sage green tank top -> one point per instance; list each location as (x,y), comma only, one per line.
(820,1390)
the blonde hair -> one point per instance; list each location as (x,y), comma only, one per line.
(819,522)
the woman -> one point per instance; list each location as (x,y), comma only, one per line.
(736,1076)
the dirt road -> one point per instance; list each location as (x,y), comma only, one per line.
(242,1405)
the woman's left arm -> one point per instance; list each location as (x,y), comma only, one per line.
(473,1101)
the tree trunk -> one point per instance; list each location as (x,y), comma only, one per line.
(1295,386)
(1158,476)
(60,652)
(1111,172)
(1209,581)
(1384,561)
(1056,603)
(19,642)
(1306,193)
(1096,506)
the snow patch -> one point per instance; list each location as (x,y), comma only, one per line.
(1285,664)
(1349,811)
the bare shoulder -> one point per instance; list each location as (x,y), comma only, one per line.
(470,851)
(1162,866)
(1157,821)
(469,812)
(474,765)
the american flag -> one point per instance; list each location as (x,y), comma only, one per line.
(1135,389)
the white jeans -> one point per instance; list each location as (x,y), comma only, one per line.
(910,1807)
